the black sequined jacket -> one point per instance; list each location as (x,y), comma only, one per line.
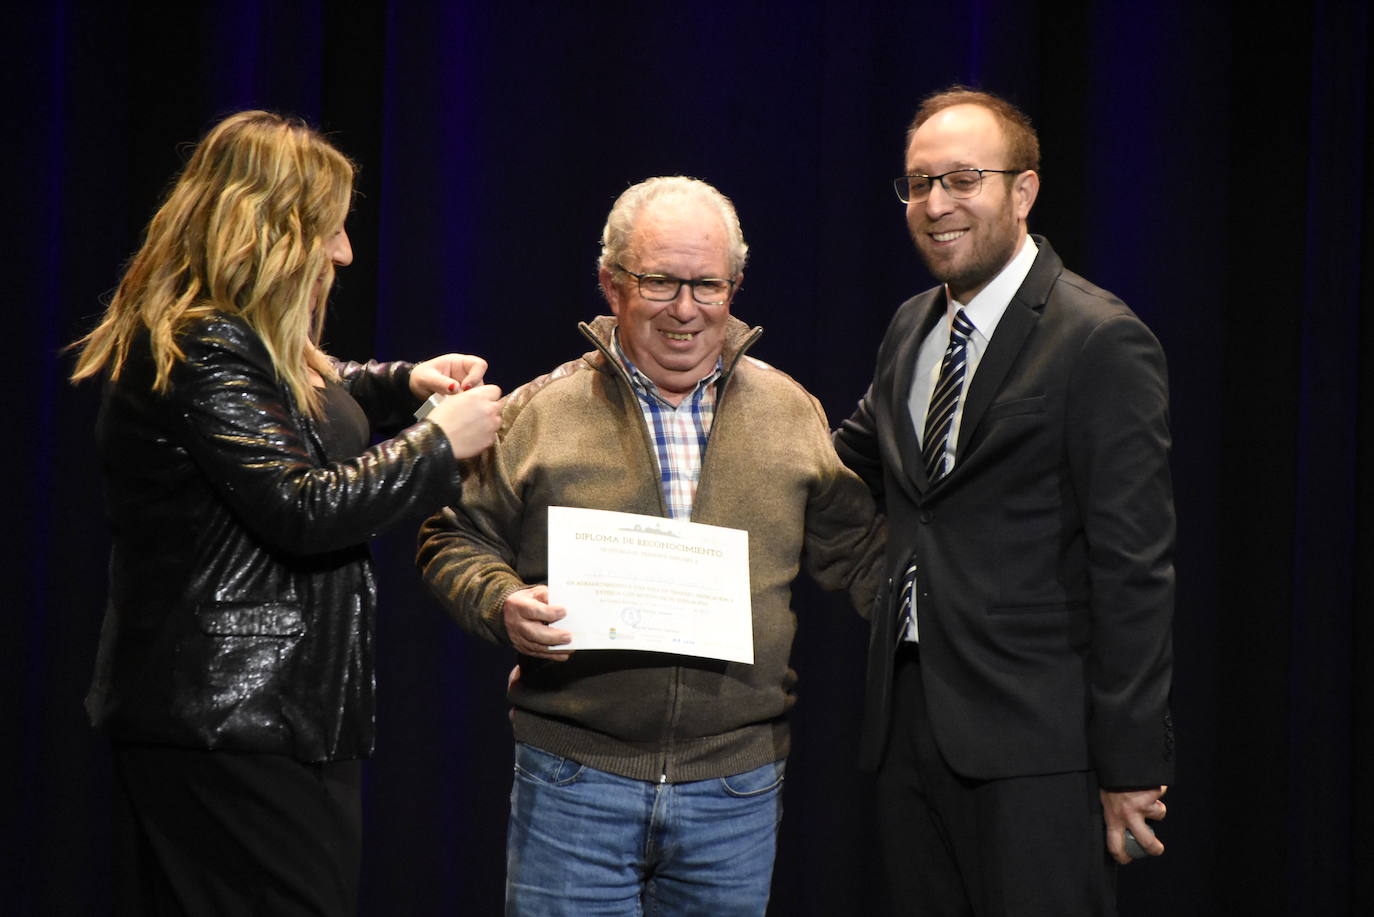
(241,594)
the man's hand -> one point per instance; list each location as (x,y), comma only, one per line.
(528,616)
(1129,809)
(446,375)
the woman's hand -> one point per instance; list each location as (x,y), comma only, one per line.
(469,419)
(453,372)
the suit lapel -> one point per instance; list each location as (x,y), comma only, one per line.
(1022,315)
(1006,343)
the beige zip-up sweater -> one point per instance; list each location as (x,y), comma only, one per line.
(577,437)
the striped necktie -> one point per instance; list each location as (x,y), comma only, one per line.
(945,398)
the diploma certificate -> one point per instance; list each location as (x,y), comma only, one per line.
(632,582)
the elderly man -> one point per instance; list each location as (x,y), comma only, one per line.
(647,782)
(1016,433)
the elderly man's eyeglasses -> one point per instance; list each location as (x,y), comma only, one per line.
(709,291)
(961,183)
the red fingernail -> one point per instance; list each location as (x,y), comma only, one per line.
(452,386)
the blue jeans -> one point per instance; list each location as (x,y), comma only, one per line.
(585,842)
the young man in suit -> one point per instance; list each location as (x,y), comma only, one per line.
(1016,432)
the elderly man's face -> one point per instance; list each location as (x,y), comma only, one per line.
(965,242)
(674,343)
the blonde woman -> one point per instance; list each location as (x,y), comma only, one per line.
(235,676)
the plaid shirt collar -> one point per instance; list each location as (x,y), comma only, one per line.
(679,434)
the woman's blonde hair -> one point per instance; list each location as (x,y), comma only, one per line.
(243,231)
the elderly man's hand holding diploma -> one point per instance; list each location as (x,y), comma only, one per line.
(528,618)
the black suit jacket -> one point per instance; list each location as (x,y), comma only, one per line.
(1045,591)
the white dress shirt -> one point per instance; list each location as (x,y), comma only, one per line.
(984,311)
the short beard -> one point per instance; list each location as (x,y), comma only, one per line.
(987,260)
(992,253)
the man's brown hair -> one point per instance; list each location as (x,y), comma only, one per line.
(1023,146)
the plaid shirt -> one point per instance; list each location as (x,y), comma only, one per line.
(679,433)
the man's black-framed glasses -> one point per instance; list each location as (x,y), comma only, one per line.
(960,183)
(709,291)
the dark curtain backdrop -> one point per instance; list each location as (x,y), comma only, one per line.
(1210,163)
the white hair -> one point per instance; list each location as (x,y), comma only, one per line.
(620,224)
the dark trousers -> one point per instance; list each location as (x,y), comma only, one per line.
(953,847)
(228,833)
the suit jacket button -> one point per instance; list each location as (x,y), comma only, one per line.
(925,517)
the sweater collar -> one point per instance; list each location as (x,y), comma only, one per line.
(739,337)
